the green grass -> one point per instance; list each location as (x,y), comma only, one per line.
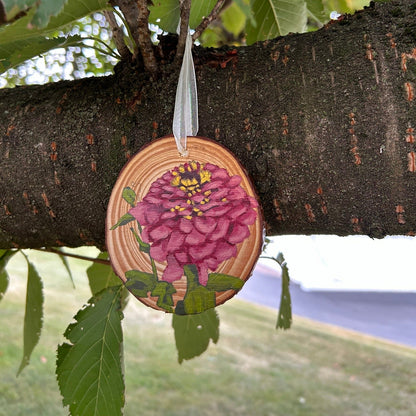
(312,369)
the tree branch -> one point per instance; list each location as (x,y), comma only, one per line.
(136,14)
(75,256)
(118,35)
(184,27)
(207,20)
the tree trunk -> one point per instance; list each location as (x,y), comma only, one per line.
(324,123)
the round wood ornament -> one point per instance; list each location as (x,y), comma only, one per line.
(183,233)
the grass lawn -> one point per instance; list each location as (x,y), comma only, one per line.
(312,369)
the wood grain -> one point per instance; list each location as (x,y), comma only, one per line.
(139,173)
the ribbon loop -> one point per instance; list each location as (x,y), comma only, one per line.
(185,118)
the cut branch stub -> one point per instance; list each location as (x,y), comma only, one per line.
(184,234)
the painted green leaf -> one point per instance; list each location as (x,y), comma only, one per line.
(5,256)
(140,283)
(276,18)
(89,368)
(284,319)
(199,300)
(164,292)
(16,52)
(125,219)
(165,13)
(220,282)
(33,315)
(129,196)
(193,333)
(145,247)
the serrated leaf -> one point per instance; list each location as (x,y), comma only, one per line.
(193,333)
(276,18)
(125,219)
(89,369)
(5,256)
(16,52)
(129,196)
(101,276)
(33,315)
(284,320)
(165,13)
(13,8)
(164,292)
(45,10)
(245,7)
(140,283)
(72,11)
(234,19)
(199,300)
(220,282)
(316,11)
(66,264)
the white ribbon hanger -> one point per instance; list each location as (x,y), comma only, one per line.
(185,118)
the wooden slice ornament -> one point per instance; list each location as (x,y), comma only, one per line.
(183,233)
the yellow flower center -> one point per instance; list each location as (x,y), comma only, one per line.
(190,177)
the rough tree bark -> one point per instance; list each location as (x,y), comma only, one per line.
(324,122)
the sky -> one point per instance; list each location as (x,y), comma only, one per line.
(348,263)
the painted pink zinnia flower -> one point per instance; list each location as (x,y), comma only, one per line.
(195,214)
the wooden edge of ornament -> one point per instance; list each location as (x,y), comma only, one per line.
(168,236)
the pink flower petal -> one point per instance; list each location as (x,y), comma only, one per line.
(185,225)
(236,211)
(195,238)
(160,232)
(224,251)
(238,233)
(234,181)
(220,230)
(158,250)
(216,172)
(217,211)
(205,224)
(175,242)
(202,274)
(182,258)
(201,252)
(247,218)
(173,270)
(138,212)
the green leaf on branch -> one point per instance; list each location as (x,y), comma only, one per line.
(284,320)
(89,368)
(45,10)
(16,52)
(276,18)
(12,8)
(193,333)
(33,314)
(5,256)
(234,19)
(219,282)
(129,196)
(164,292)
(66,264)
(165,13)
(140,283)
(102,276)
(125,219)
